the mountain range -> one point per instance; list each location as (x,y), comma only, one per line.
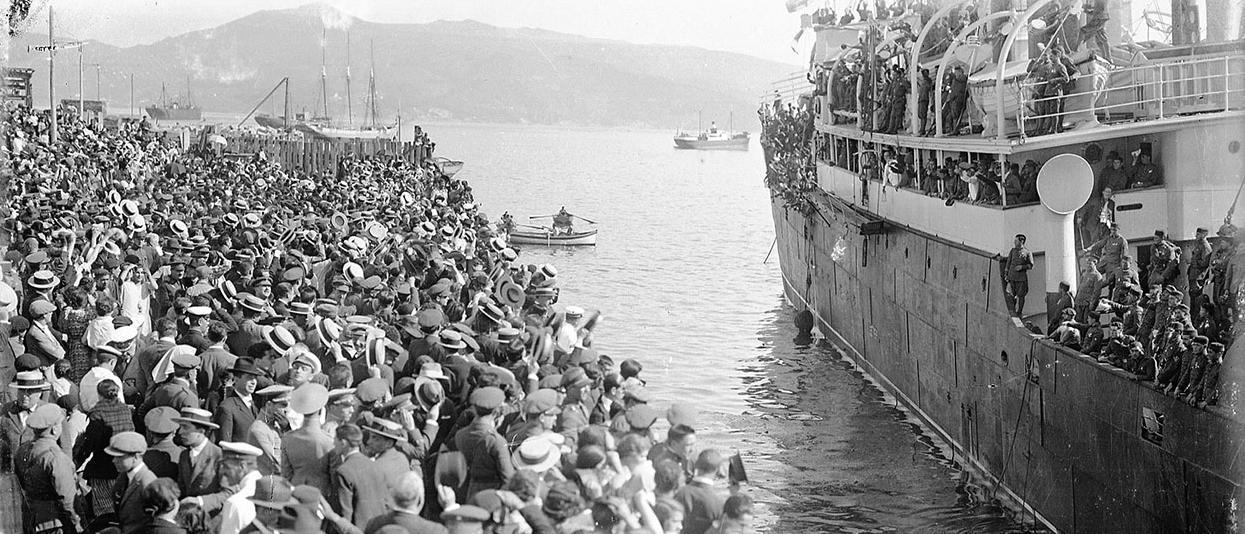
(445,70)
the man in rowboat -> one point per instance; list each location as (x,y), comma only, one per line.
(563,222)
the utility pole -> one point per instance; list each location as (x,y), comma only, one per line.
(131,95)
(81,93)
(97,95)
(51,77)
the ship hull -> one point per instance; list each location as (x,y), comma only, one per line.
(179,114)
(1055,434)
(269,121)
(330,133)
(588,238)
(711,144)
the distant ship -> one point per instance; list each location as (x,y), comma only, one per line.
(325,129)
(174,110)
(712,139)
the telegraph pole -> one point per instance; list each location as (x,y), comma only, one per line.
(131,95)
(97,95)
(81,92)
(51,77)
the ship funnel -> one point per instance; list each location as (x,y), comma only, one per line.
(1064,185)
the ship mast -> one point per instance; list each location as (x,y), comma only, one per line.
(190,99)
(371,83)
(324,83)
(349,103)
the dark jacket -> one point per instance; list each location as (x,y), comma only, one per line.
(197,476)
(359,489)
(235,418)
(129,500)
(411,522)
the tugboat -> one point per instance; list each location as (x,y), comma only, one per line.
(898,230)
(712,139)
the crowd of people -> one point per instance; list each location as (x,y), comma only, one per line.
(1169,323)
(199,342)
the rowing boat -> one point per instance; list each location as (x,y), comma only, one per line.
(550,239)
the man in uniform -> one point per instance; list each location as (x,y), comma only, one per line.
(46,475)
(176,391)
(133,477)
(1199,269)
(238,471)
(1019,262)
(381,437)
(488,459)
(1110,251)
(957,100)
(305,450)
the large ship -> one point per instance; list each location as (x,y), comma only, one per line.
(173,109)
(712,139)
(895,224)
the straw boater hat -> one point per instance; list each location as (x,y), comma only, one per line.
(328,329)
(43,280)
(537,453)
(386,428)
(279,338)
(251,302)
(29,380)
(197,417)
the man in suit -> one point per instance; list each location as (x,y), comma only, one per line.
(408,498)
(28,387)
(196,468)
(162,454)
(699,497)
(126,450)
(249,331)
(359,489)
(238,411)
(41,339)
(305,450)
(382,435)
(138,373)
(215,361)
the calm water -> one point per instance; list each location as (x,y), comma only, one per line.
(679,275)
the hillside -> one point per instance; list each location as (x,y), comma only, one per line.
(464,71)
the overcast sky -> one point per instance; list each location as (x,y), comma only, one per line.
(760,28)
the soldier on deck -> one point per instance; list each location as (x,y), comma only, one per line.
(1019,262)
(957,100)
(46,476)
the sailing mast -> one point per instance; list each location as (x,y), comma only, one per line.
(189,97)
(349,103)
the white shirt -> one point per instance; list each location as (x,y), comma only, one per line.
(239,511)
(198,449)
(567,337)
(99,332)
(88,393)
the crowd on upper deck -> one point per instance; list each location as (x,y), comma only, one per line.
(202,342)
(873,88)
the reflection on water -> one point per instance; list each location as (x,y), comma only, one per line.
(679,277)
(833,454)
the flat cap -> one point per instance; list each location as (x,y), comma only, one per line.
(371,390)
(487,398)
(541,401)
(188,360)
(46,416)
(160,420)
(125,444)
(641,416)
(575,377)
(41,307)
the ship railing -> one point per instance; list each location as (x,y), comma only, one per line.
(1142,93)
(787,90)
